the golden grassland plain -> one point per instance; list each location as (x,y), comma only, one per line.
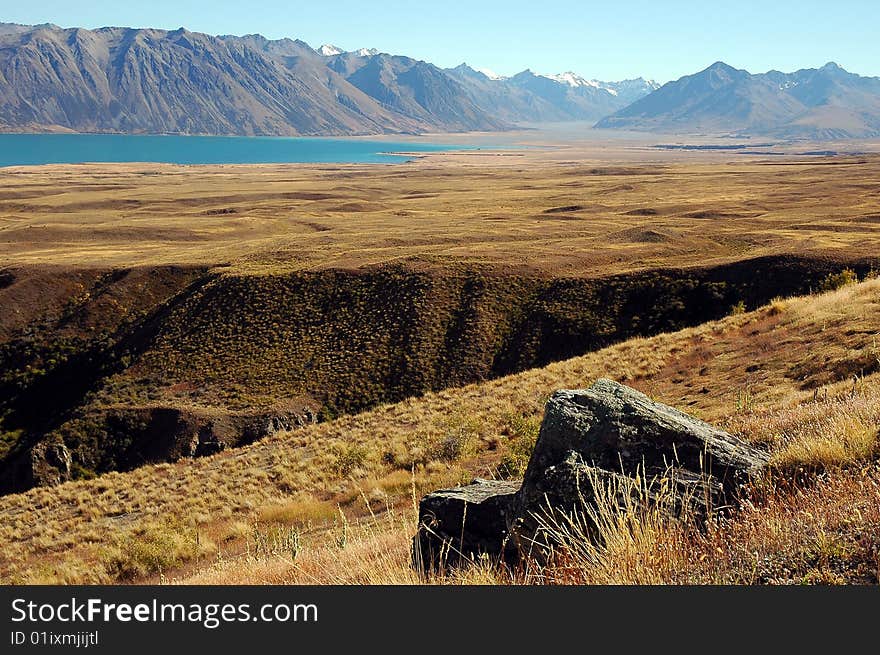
(560,218)
(334,502)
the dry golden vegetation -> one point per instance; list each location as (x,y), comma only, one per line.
(155,302)
(333,502)
(565,219)
(132,290)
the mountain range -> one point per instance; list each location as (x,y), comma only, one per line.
(155,81)
(823,103)
(117,79)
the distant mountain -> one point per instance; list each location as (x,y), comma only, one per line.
(822,103)
(156,81)
(328,50)
(117,79)
(528,96)
(626,91)
(413,88)
(15,28)
(504,99)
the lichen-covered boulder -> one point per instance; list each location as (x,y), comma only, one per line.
(611,430)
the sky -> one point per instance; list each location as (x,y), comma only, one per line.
(602,40)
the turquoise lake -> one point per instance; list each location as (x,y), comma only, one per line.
(32,149)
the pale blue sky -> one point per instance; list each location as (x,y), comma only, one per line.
(605,40)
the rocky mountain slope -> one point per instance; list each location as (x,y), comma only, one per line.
(822,103)
(117,79)
(154,81)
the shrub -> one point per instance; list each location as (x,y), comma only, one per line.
(777,306)
(349,458)
(836,281)
(150,550)
(453,446)
(523,435)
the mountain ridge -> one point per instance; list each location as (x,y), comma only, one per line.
(814,103)
(144,80)
(154,81)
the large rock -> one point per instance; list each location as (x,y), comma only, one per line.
(463,524)
(603,449)
(573,489)
(620,429)
(610,429)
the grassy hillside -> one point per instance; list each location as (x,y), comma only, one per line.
(421,314)
(333,501)
(149,365)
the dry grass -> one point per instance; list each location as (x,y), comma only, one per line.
(281,218)
(785,355)
(300,512)
(266,305)
(827,533)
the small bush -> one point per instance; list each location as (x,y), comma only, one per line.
(523,435)
(453,446)
(777,306)
(839,280)
(349,458)
(150,550)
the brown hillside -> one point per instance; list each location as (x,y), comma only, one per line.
(799,376)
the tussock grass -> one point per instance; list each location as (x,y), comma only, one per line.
(848,442)
(298,512)
(781,356)
(826,533)
(624,536)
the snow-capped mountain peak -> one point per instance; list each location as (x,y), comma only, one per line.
(329,50)
(492,75)
(626,87)
(571,79)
